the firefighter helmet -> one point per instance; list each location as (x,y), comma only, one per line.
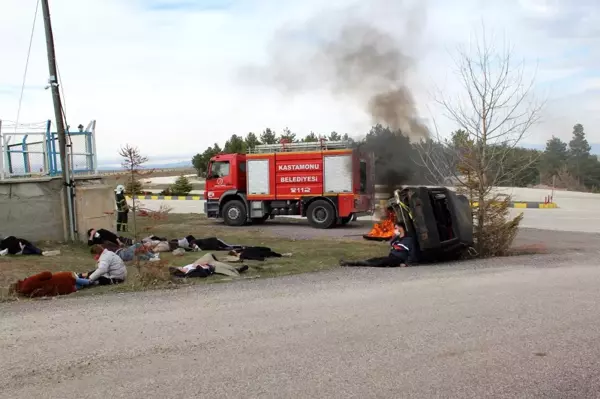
(120,188)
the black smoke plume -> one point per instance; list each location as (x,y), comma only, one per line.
(363,58)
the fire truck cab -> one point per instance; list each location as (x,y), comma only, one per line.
(329,182)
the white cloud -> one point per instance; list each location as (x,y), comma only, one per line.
(166,79)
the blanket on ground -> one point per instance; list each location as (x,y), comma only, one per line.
(206,266)
(208,244)
(47,284)
(255,253)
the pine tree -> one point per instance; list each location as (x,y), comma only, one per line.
(334,136)
(133,187)
(268,137)
(288,136)
(553,159)
(251,141)
(579,153)
(200,161)
(182,186)
(235,145)
(311,138)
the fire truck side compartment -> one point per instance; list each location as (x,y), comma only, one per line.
(286,183)
(337,174)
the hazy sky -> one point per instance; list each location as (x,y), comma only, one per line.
(165,74)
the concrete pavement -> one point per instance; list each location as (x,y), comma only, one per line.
(577,211)
(580,217)
(505,328)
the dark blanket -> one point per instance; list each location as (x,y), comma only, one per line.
(211,244)
(199,271)
(257,253)
(16,245)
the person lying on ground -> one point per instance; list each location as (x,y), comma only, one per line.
(129,253)
(156,246)
(100,236)
(12,245)
(182,243)
(256,253)
(153,238)
(211,244)
(190,243)
(110,269)
(206,266)
(401,252)
(49,284)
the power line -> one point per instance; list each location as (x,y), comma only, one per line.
(62,93)
(64,107)
(37,6)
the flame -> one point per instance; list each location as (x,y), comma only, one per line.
(385,228)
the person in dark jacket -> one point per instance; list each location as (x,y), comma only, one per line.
(18,246)
(100,236)
(122,209)
(402,252)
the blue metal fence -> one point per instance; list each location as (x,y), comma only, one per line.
(42,156)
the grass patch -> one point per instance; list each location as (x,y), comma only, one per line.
(309,255)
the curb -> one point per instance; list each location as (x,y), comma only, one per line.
(519,205)
(168,197)
(528,204)
(535,205)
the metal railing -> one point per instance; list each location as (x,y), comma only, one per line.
(26,153)
(321,145)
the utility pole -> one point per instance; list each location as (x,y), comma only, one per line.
(58,115)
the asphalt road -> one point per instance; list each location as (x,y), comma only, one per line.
(576,215)
(516,327)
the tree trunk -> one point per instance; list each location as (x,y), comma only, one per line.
(133,194)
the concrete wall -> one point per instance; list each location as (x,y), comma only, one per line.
(32,209)
(94,207)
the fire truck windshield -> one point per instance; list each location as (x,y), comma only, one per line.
(218,169)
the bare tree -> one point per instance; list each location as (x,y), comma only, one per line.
(494,113)
(133,162)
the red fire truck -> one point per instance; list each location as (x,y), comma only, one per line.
(329,182)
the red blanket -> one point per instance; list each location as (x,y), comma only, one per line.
(47,284)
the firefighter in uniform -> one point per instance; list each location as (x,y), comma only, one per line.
(122,208)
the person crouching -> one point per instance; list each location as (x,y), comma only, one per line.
(401,252)
(111,268)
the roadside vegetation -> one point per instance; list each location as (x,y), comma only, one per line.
(307,255)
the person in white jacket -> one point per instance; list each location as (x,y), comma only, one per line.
(111,268)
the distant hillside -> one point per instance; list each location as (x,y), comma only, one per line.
(108,165)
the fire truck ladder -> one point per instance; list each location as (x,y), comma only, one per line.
(310,146)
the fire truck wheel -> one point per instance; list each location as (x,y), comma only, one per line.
(321,214)
(234,213)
